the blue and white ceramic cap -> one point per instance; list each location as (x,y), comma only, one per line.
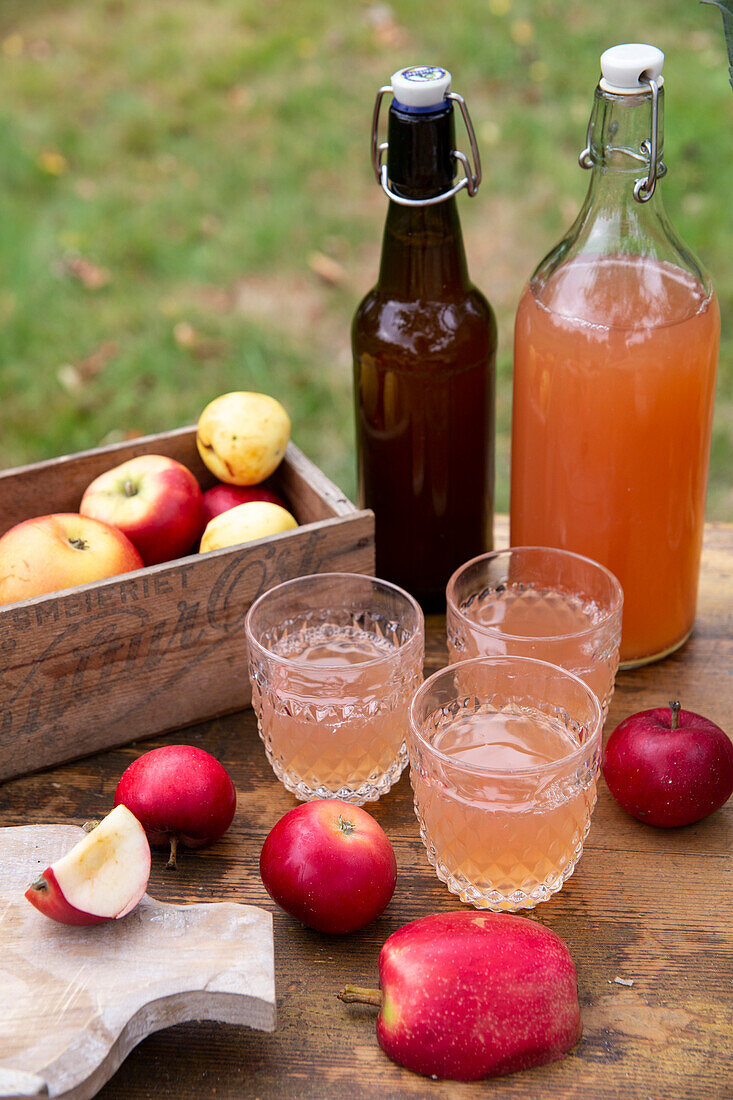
(420,87)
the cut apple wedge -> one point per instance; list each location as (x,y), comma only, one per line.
(102,878)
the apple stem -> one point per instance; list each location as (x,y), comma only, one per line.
(174,849)
(130,489)
(346,827)
(674,706)
(359,995)
(89,826)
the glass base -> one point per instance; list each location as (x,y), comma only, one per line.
(368,791)
(495,900)
(639,662)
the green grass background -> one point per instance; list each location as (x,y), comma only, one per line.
(203,152)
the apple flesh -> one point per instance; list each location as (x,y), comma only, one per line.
(242,437)
(330,865)
(102,878)
(50,553)
(472,995)
(154,500)
(223,497)
(669,767)
(181,795)
(246,522)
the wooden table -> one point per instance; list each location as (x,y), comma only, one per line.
(645,905)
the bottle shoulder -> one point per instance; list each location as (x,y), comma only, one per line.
(425,328)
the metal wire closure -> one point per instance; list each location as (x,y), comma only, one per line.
(470,180)
(644,187)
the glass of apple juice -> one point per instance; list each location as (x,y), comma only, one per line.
(504,758)
(334,660)
(537,601)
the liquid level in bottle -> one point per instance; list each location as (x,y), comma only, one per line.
(548,624)
(614,375)
(330,731)
(495,835)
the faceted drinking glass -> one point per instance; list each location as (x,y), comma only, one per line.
(535,601)
(504,758)
(334,661)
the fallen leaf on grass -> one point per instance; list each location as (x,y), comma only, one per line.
(201,347)
(89,274)
(52,162)
(328,269)
(74,376)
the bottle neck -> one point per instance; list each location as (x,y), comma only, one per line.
(422,249)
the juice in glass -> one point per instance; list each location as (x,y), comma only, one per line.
(611,432)
(334,660)
(504,755)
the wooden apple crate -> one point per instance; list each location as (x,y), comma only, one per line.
(102,664)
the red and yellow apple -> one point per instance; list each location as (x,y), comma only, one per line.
(102,878)
(49,553)
(246,522)
(242,437)
(154,500)
(223,497)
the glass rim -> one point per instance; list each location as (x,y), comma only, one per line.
(419,632)
(617,602)
(481,769)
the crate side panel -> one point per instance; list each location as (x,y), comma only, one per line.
(106,664)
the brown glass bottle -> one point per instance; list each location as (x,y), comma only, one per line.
(424,343)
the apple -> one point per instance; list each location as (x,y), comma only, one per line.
(223,497)
(154,500)
(181,795)
(242,437)
(330,865)
(102,878)
(49,553)
(471,995)
(668,766)
(245,523)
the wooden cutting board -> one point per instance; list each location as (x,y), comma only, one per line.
(75,1001)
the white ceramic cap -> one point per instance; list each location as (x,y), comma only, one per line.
(621,67)
(421,85)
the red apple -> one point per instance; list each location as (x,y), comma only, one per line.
(102,878)
(668,766)
(330,865)
(181,795)
(49,553)
(223,497)
(471,995)
(154,500)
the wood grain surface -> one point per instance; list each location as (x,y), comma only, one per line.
(647,906)
(77,1000)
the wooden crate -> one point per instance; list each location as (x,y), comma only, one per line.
(102,664)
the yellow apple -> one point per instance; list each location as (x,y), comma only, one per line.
(246,522)
(242,437)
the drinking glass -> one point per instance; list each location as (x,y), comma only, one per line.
(334,661)
(504,758)
(535,601)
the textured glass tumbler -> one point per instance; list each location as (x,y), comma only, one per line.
(535,601)
(504,758)
(334,661)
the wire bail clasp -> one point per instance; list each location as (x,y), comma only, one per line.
(644,187)
(471,178)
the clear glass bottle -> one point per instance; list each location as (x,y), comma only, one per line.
(424,344)
(616,344)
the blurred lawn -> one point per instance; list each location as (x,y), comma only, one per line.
(187,205)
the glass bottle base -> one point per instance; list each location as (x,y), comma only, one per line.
(639,662)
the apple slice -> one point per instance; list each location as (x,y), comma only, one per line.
(102,878)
